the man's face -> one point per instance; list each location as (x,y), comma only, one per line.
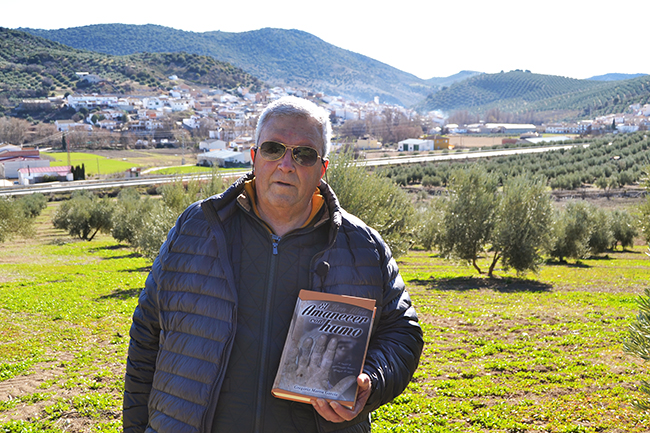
(284,186)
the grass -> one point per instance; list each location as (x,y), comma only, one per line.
(536,354)
(93,163)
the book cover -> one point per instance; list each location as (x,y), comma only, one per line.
(325,348)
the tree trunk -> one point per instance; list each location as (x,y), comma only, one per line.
(91,238)
(476,266)
(495,259)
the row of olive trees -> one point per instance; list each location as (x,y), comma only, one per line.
(140,221)
(17,215)
(516,224)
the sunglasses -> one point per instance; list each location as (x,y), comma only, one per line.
(303,155)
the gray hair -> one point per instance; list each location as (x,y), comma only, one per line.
(291,106)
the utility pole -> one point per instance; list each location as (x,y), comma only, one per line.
(67,146)
(183,152)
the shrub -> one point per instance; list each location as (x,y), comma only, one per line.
(83,214)
(376,200)
(571,232)
(13,221)
(431,219)
(469,214)
(32,204)
(600,232)
(523,224)
(623,229)
(129,215)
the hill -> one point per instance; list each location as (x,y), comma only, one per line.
(34,67)
(448,81)
(615,77)
(278,57)
(551,97)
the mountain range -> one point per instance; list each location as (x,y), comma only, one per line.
(278,57)
(299,59)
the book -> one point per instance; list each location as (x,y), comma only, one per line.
(325,348)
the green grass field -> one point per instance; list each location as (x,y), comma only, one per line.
(538,354)
(94,163)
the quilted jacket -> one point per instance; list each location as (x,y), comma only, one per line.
(184,326)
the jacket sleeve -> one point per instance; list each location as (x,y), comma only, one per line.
(396,345)
(143,351)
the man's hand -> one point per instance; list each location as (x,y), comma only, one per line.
(334,412)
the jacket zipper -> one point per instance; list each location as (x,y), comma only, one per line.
(268,298)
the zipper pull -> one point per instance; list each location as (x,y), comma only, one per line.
(276,240)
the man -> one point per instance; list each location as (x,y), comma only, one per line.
(211,322)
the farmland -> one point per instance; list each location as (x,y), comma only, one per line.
(541,353)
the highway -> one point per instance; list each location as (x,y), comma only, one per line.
(56,187)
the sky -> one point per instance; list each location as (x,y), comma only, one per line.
(570,38)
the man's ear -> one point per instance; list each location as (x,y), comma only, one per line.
(253,153)
(324,167)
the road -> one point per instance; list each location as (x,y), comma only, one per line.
(54,187)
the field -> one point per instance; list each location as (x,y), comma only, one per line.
(106,162)
(537,354)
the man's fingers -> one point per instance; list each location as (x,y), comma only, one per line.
(335,412)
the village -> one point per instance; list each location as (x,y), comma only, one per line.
(225,123)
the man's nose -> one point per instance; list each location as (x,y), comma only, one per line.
(287,162)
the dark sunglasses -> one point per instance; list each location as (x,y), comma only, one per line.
(303,155)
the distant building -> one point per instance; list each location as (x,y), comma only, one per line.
(223,158)
(419,145)
(367,143)
(31,175)
(71,125)
(214,144)
(13,158)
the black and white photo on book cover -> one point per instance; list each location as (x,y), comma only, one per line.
(325,348)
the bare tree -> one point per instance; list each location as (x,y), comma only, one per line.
(13,130)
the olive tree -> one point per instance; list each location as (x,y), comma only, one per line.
(523,222)
(376,200)
(469,220)
(84,215)
(13,221)
(571,231)
(623,228)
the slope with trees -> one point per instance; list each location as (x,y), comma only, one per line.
(607,162)
(34,67)
(277,56)
(551,97)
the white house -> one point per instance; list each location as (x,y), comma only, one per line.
(646,110)
(627,127)
(179,104)
(70,125)
(415,145)
(91,101)
(154,103)
(192,122)
(223,158)
(31,175)
(209,145)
